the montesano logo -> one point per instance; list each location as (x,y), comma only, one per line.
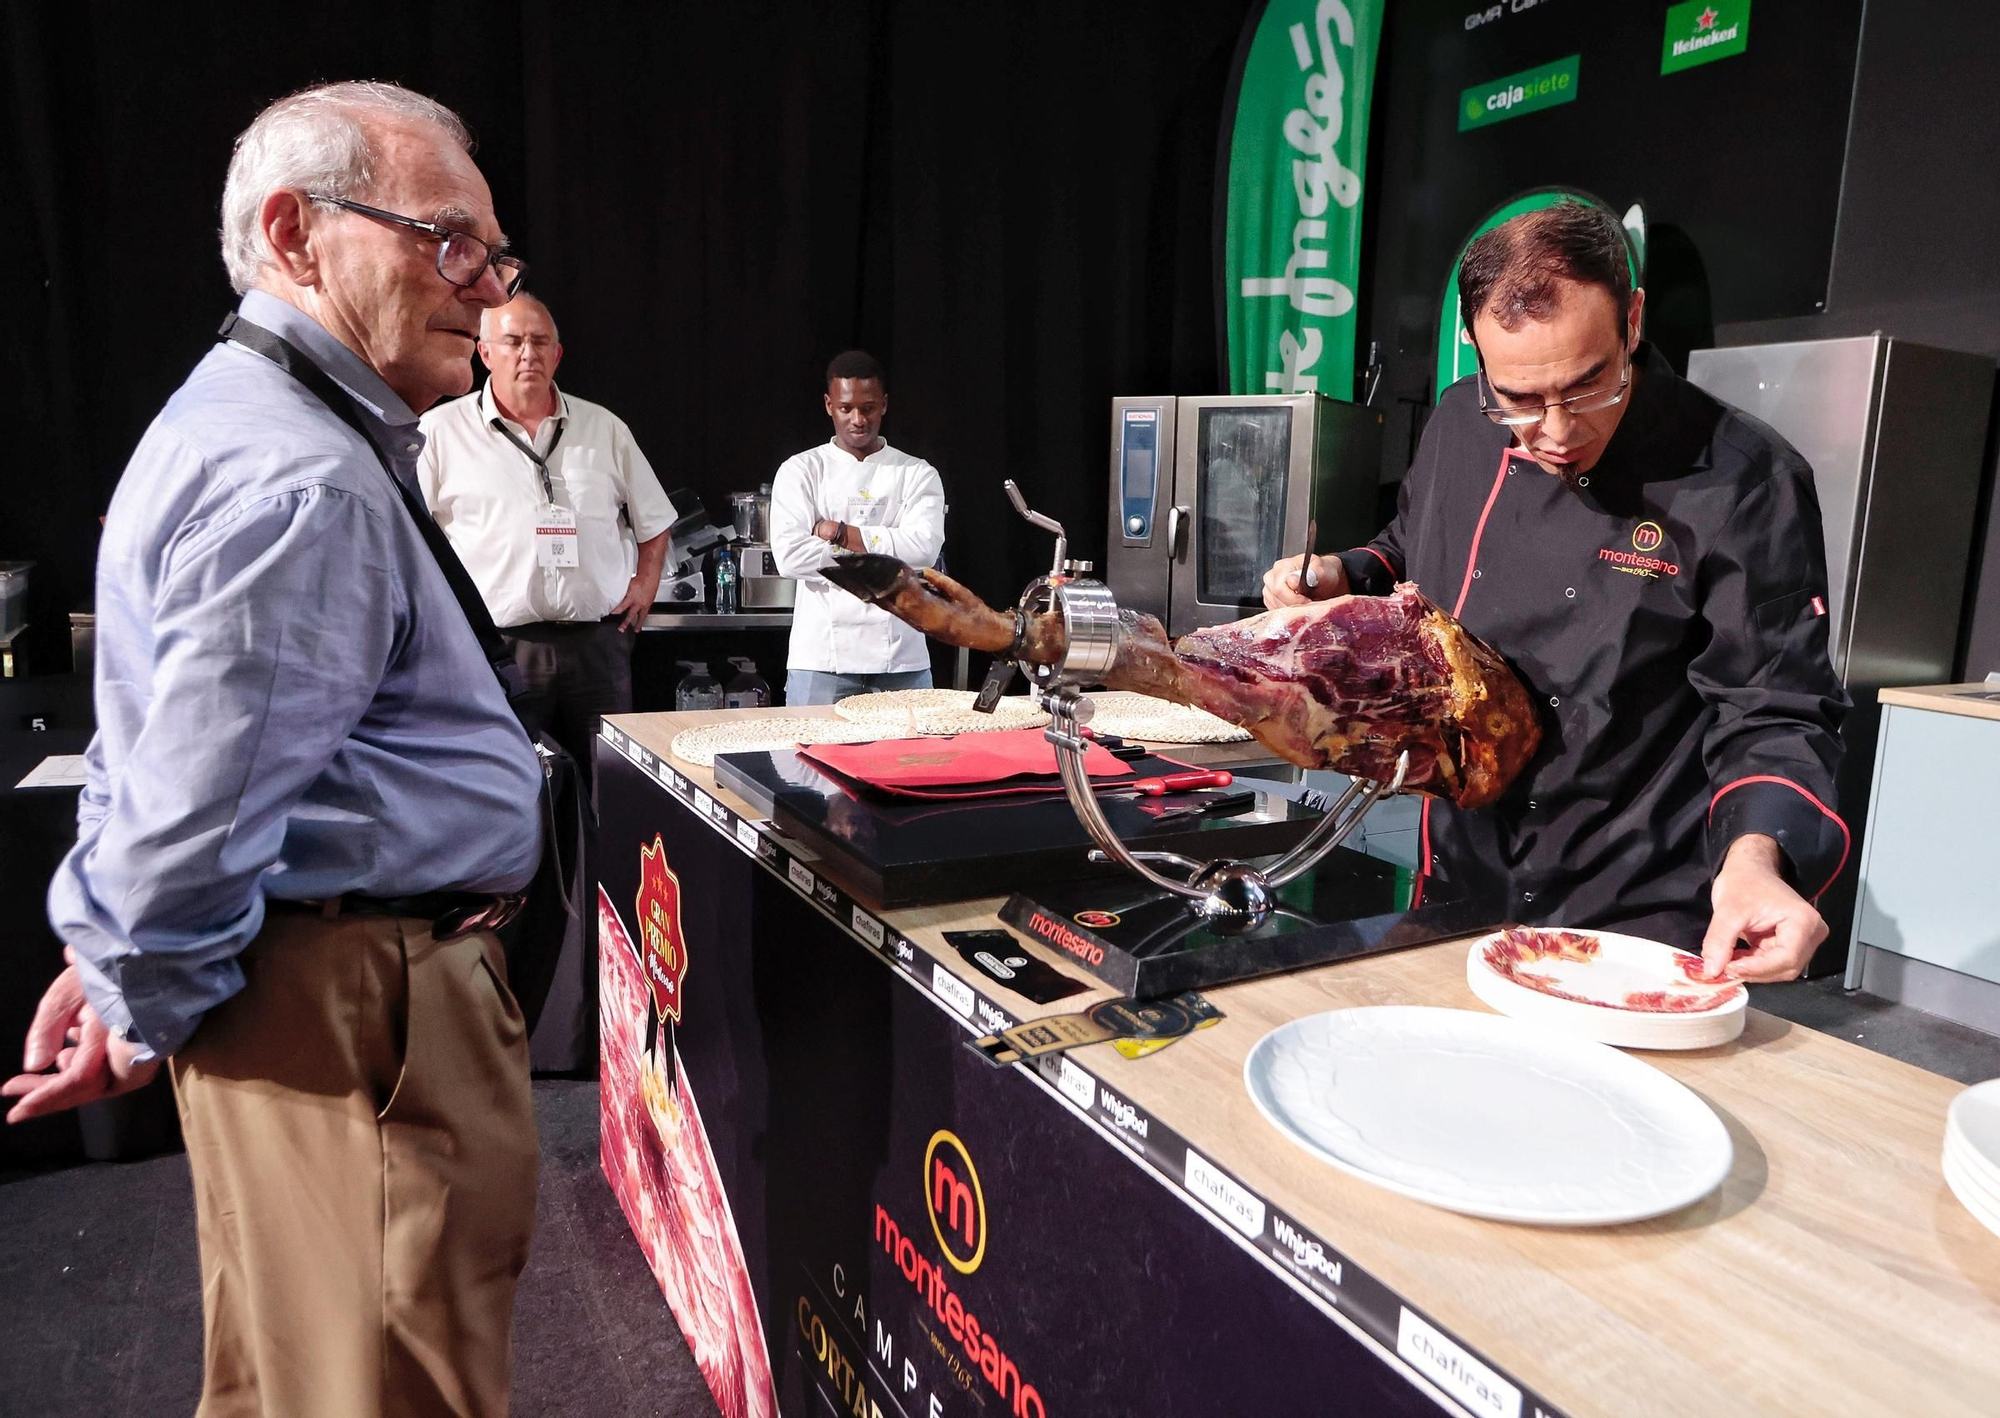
(958,1206)
(1703,31)
(659,915)
(957,1210)
(1516,94)
(1647,538)
(1065,937)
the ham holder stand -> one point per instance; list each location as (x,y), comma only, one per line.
(1185,923)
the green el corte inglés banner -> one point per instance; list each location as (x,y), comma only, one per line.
(1292,196)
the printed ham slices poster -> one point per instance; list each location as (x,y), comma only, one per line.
(657,1158)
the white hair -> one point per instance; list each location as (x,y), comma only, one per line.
(317,140)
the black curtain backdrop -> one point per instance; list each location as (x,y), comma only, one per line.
(1010,205)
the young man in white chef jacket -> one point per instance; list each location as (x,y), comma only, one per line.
(858,493)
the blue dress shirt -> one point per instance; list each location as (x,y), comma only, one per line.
(290,702)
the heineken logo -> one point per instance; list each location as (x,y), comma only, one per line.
(1702,31)
(1516,94)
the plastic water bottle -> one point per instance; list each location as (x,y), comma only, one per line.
(725,580)
(748,690)
(698,689)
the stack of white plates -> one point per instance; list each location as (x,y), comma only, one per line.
(1972,1152)
(1616,989)
(1488,1116)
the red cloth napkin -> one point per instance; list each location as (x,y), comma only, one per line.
(962,765)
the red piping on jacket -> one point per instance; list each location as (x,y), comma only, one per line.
(1471,561)
(1383,559)
(1424,871)
(1472,558)
(1846,838)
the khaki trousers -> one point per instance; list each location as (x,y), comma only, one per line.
(362,1138)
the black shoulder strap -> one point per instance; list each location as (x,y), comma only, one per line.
(287,356)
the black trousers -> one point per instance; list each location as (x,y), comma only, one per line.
(572,673)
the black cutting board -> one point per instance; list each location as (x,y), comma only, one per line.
(893,852)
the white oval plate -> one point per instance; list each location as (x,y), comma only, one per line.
(1488,1116)
(1623,965)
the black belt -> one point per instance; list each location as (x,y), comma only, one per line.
(450,913)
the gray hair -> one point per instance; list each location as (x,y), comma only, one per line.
(317,140)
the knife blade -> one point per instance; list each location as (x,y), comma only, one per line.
(1308,577)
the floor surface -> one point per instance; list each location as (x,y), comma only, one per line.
(100,1291)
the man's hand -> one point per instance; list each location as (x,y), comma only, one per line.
(839,533)
(1282,588)
(89,1063)
(638,602)
(1752,903)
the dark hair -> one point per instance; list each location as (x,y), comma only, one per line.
(1512,271)
(856,364)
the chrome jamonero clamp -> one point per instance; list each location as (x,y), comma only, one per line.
(1230,895)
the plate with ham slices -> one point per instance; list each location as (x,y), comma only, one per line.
(1621,990)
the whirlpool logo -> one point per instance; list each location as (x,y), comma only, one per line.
(956,1203)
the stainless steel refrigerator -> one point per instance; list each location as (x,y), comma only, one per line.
(1895,433)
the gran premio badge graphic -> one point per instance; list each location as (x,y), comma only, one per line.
(663,948)
(1703,31)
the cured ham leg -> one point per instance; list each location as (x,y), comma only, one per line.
(1347,684)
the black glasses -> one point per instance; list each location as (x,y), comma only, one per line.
(1521,415)
(462,257)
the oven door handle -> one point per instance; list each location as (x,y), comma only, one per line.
(1177,518)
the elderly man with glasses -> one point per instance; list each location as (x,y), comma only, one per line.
(558,516)
(308,801)
(1651,562)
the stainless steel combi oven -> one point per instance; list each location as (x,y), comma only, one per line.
(1208,490)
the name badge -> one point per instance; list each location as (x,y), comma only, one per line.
(555,537)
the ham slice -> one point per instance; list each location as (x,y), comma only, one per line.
(1348,684)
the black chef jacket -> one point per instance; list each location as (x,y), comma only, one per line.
(1667,614)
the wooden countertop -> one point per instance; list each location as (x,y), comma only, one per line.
(1978,701)
(1832,1273)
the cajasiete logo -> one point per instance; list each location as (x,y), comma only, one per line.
(1515,94)
(1647,536)
(956,1202)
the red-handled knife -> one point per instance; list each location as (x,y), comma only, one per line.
(1174,783)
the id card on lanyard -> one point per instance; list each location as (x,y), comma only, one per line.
(555,526)
(555,537)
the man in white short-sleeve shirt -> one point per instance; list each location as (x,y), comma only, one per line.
(858,493)
(557,515)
